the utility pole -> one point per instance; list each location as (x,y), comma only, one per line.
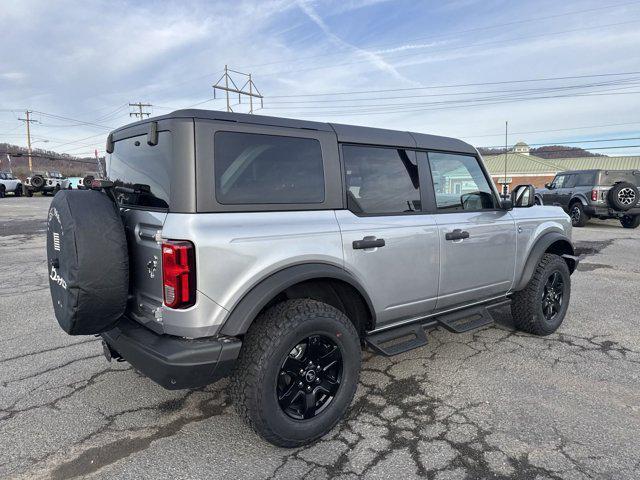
(506,154)
(140,113)
(28,121)
(227,78)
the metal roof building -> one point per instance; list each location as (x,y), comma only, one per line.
(519,164)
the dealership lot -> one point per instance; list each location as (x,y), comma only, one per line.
(493,403)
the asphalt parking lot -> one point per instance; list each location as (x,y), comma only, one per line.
(493,403)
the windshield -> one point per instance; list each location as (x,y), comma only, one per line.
(142,172)
(55,175)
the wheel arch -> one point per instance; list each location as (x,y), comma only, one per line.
(551,242)
(578,198)
(322,282)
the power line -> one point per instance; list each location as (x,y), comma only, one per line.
(450,34)
(481,44)
(557,129)
(459,85)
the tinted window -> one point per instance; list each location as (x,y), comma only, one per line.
(459,183)
(585,179)
(251,169)
(381,180)
(141,172)
(570,182)
(559,181)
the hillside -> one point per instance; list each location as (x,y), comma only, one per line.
(44,160)
(548,151)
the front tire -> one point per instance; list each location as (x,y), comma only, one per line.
(18,191)
(542,305)
(29,192)
(630,221)
(579,217)
(297,372)
(3,190)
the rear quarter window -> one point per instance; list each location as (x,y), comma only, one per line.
(267,169)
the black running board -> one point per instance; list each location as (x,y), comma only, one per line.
(406,337)
(397,340)
(466,320)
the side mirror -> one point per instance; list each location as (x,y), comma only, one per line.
(548,185)
(523,196)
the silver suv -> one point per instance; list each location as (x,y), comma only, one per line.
(273,250)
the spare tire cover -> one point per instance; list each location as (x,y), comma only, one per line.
(88,261)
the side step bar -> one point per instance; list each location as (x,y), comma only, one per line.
(407,337)
(397,340)
(466,320)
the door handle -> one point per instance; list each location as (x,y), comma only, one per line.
(457,234)
(368,242)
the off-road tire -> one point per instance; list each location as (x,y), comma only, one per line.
(579,217)
(29,192)
(3,190)
(266,345)
(18,191)
(630,221)
(628,201)
(526,305)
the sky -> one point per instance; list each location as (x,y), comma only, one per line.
(556,71)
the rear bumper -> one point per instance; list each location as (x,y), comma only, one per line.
(609,212)
(172,362)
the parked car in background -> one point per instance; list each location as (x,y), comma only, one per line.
(603,194)
(84,182)
(10,184)
(46,182)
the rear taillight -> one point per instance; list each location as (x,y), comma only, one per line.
(594,195)
(178,274)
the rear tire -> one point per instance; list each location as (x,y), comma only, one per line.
(630,221)
(579,217)
(274,367)
(3,190)
(18,191)
(623,196)
(29,192)
(542,305)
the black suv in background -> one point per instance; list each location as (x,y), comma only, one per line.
(602,194)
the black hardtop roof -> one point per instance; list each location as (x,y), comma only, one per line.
(345,133)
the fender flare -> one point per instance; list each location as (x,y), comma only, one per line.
(248,308)
(579,197)
(565,247)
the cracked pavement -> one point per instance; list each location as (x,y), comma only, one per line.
(493,403)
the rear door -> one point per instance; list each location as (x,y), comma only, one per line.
(390,244)
(142,176)
(477,238)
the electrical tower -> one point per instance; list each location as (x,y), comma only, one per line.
(226,79)
(28,122)
(140,113)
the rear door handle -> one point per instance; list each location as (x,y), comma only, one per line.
(457,234)
(368,242)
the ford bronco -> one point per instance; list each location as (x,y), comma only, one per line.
(10,184)
(601,194)
(46,182)
(273,250)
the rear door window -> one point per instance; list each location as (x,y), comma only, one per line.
(267,169)
(140,172)
(381,180)
(585,179)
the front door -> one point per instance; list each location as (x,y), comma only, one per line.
(389,244)
(477,238)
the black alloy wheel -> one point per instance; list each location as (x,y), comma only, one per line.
(552,296)
(309,377)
